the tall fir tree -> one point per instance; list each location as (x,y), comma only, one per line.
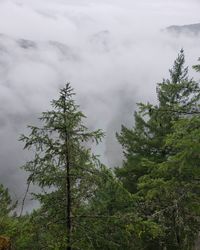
(145,142)
(63,167)
(146,152)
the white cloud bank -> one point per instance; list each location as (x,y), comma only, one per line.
(112,51)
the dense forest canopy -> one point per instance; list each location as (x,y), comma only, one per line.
(149,202)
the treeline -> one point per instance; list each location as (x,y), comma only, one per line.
(151,202)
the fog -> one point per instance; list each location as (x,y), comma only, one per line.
(112,51)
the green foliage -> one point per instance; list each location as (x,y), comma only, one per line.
(6,205)
(101,212)
(197,67)
(63,167)
(7,208)
(114,221)
(11,226)
(161,160)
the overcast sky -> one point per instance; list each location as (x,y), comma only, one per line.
(112,51)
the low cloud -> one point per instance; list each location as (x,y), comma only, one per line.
(113,52)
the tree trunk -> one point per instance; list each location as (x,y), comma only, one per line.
(68,207)
(68,186)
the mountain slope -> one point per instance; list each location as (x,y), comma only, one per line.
(192,29)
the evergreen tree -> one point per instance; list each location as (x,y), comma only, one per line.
(145,143)
(6,211)
(115,222)
(6,205)
(83,205)
(63,167)
(146,152)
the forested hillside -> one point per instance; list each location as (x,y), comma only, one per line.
(191,29)
(150,202)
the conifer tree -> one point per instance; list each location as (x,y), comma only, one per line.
(6,205)
(145,142)
(7,214)
(63,167)
(146,155)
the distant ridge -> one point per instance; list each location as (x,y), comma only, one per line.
(193,29)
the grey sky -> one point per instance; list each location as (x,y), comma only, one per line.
(112,51)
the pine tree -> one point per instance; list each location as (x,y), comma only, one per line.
(146,152)
(6,205)
(144,143)
(7,216)
(63,167)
